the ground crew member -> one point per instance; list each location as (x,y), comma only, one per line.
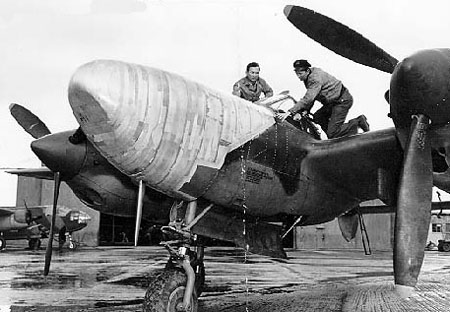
(251,86)
(333,95)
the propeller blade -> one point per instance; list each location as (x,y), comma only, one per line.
(140,202)
(339,38)
(413,208)
(28,216)
(48,251)
(28,121)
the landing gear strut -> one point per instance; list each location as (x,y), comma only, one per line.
(177,288)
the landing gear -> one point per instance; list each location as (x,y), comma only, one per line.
(2,243)
(200,275)
(63,237)
(72,244)
(166,293)
(177,288)
(197,265)
(34,243)
(443,245)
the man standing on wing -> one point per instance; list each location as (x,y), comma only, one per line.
(335,98)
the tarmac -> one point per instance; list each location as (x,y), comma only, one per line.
(115,279)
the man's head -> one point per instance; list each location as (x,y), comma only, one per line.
(252,71)
(302,69)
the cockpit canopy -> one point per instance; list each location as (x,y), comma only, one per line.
(282,103)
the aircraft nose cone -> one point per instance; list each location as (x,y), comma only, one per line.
(101,93)
(58,154)
(157,126)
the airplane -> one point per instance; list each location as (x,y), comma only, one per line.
(205,164)
(32,223)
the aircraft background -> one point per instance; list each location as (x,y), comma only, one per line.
(33,223)
(44,41)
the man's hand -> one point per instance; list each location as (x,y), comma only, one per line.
(282,116)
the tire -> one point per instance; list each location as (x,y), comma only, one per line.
(72,245)
(34,243)
(166,291)
(446,247)
(2,243)
(199,277)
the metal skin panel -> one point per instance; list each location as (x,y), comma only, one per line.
(101,186)
(159,127)
(287,172)
(10,223)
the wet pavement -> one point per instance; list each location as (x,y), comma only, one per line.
(114,279)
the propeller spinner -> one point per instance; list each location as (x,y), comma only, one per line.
(419,89)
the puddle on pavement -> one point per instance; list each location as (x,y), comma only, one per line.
(82,279)
(55,281)
(103,304)
(356,276)
(141,280)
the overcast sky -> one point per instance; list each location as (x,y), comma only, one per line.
(44,41)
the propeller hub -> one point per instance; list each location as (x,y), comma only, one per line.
(420,84)
(59,154)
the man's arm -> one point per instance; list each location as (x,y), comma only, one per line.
(267,90)
(307,101)
(237,89)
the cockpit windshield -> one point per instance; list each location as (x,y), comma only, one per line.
(279,102)
(282,103)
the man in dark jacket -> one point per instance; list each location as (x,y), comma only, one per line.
(251,86)
(333,95)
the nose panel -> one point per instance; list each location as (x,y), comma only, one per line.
(157,126)
(58,154)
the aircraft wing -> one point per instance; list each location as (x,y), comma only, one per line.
(39,173)
(5,212)
(363,166)
(377,209)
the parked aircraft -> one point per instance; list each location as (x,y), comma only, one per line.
(208,164)
(32,223)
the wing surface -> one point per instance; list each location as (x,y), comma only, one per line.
(39,173)
(364,166)
(5,212)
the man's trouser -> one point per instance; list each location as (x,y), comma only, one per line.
(331,117)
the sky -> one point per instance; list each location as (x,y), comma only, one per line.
(43,42)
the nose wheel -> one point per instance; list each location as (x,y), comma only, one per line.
(179,285)
(166,293)
(34,243)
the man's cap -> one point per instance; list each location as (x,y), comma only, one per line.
(301,64)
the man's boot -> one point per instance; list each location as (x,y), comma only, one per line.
(363,124)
